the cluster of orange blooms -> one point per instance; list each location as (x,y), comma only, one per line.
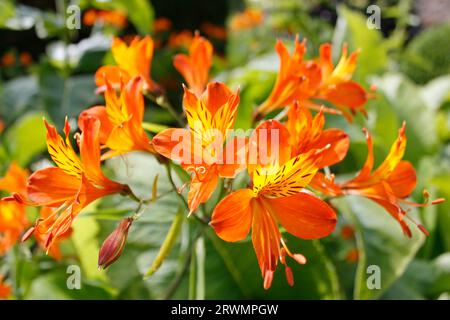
(10,59)
(285,190)
(113,18)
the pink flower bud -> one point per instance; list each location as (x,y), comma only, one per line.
(113,246)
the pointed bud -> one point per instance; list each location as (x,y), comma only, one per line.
(113,246)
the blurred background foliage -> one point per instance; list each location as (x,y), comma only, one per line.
(47,70)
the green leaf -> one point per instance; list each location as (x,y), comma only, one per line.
(17,97)
(423,280)
(6,11)
(441,274)
(140,13)
(147,234)
(62,96)
(352,28)
(414,283)
(406,101)
(53,286)
(26,138)
(380,242)
(84,237)
(426,57)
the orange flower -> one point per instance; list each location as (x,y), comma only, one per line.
(200,149)
(121,120)
(195,67)
(110,17)
(25,58)
(72,185)
(310,80)
(394,180)
(180,39)
(277,196)
(214,31)
(306,133)
(336,84)
(133,60)
(2,125)
(13,218)
(162,24)
(8,59)
(248,19)
(290,84)
(13,221)
(5,290)
(352,255)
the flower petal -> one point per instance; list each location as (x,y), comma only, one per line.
(98,112)
(403,179)
(303,215)
(268,146)
(339,143)
(52,187)
(202,188)
(232,217)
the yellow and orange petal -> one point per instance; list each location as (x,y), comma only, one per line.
(195,67)
(15,179)
(13,221)
(307,133)
(121,120)
(132,60)
(290,83)
(302,215)
(72,185)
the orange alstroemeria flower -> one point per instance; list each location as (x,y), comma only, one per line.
(336,85)
(121,120)
(306,133)
(181,39)
(133,60)
(5,290)
(316,79)
(195,67)
(277,197)
(200,149)
(388,185)
(291,81)
(162,24)
(110,17)
(72,185)
(13,220)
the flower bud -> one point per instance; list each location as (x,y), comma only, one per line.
(113,246)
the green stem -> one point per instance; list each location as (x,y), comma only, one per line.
(168,243)
(192,276)
(17,273)
(200,266)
